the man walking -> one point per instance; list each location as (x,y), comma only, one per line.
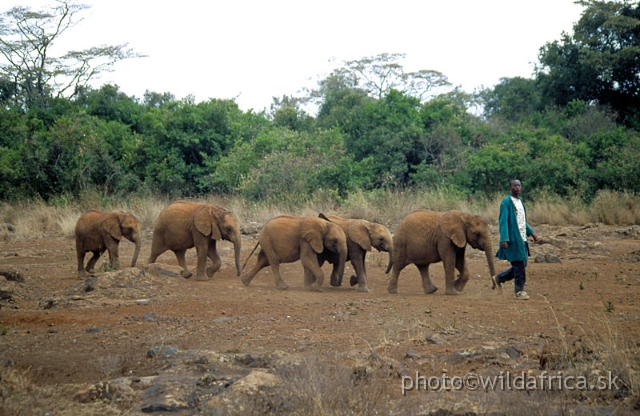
(514,231)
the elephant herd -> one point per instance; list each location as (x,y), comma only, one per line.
(423,237)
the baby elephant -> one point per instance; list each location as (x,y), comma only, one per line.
(97,231)
(425,237)
(362,236)
(286,239)
(184,224)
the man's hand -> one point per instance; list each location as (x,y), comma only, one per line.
(504,244)
(535,238)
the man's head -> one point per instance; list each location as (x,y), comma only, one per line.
(515,187)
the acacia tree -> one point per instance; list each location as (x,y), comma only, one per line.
(377,76)
(29,71)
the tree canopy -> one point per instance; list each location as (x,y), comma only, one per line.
(572,130)
(30,73)
(599,62)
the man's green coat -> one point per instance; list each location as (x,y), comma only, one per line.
(508,225)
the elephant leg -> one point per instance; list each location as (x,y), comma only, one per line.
(308,259)
(92,261)
(335,280)
(358,263)
(449,263)
(313,274)
(277,278)
(261,263)
(274,261)
(202,252)
(215,259)
(464,272)
(81,272)
(427,285)
(395,274)
(309,279)
(114,256)
(180,256)
(156,251)
(332,258)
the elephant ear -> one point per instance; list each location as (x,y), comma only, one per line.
(360,233)
(206,222)
(452,224)
(311,231)
(111,224)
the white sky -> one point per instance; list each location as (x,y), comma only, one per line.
(253,50)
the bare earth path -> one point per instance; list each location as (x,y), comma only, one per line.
(583,318)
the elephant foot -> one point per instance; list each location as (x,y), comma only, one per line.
(353,280)
(363,288)
(186,274)
(315,288)
(335,283)
(392,289)
(283,286)
(211,271)
(431,290)
(451,292)
(201,278)
(246,281)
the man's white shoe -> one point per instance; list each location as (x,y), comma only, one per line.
(522,295)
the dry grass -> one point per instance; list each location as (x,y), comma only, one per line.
(19,395)
(607,349)
(608,207)
(601,353)
(384,206)
(318,386)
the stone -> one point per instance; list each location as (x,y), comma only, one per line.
(12,275)
(163,351)
(550,258)
(412,354)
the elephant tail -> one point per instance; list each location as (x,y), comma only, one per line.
(252,251)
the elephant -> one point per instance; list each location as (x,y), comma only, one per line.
(285,239)
(97,231)
(183,225)
(424,237)
(362,235)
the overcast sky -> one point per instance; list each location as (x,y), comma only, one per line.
(253,50)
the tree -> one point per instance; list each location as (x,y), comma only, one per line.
(286,112)
(378,75)
(512,99)
(600,62)
(29,71)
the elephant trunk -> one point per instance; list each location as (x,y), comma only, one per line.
(488,251)
(390,264)
(138,242)
(237,248)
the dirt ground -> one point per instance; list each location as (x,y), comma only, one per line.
(61,330)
